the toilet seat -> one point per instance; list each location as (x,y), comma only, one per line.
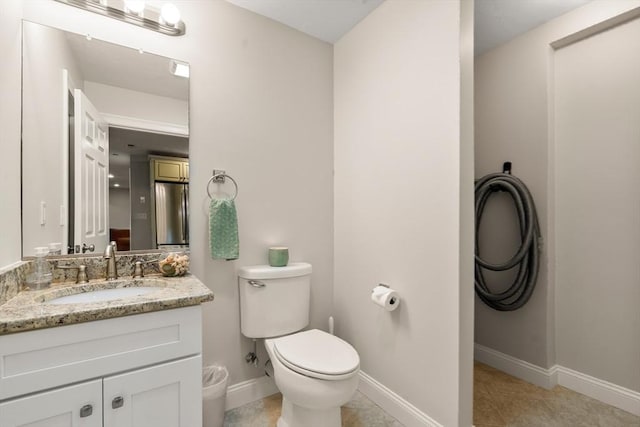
(317,354)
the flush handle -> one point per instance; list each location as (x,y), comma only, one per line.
(257,283)
(117,402)
(86,411)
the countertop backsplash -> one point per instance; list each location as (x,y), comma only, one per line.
(12,278)
(96,265)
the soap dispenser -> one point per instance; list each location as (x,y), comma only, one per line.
(40,275)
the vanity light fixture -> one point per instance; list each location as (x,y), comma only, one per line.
(166,21)
(134,6)
(170,14)
(179,69)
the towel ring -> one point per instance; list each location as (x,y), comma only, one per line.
(223,175)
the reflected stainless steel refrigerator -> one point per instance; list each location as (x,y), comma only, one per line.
(172,214)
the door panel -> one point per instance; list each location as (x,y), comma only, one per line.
(58,408)
(167,395)
(91,174)
(597,205)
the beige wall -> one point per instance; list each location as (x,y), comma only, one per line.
(261,108)
(143,106)
(10,88)
(119,208)
(596,133)
(398,207)
(513,123)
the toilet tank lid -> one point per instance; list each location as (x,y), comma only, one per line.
(294,269)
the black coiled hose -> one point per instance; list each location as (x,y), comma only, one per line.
(526,258)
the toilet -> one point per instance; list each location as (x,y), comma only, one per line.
(316,372)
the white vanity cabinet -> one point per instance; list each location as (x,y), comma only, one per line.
(134,371)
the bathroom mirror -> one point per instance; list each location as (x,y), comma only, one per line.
(102,127)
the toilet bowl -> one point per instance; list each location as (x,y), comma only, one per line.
(316,373)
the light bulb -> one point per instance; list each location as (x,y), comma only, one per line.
(180,69)
(134,6)
(170,14)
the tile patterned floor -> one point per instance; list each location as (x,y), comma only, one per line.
(358,412)
(501,400)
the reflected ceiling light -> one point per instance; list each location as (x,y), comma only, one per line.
(179,69)
(136,12)
(116,185)
(170,14)
(111,176)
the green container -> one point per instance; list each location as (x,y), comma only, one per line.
(278,256)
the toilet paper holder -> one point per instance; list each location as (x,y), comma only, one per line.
(389,304)
(382,284)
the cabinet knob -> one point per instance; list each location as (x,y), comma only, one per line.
(86,410)
(117,402)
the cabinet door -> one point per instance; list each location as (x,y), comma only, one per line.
(169,170)
(167,395)
(185,171)
(74,406)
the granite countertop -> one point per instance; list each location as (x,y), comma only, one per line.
(29,310)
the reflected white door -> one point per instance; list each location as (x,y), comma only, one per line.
(91,165)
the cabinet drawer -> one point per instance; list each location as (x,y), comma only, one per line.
(41,359)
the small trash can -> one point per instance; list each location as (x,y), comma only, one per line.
(214,395)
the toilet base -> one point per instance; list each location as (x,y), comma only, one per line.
(298,416)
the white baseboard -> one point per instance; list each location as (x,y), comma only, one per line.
(249,391)
(604,391)
(529,372)
(258,388)
(394,405)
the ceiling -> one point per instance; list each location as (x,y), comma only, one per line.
(326,20)
(496,21)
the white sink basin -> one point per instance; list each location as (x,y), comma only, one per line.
(102,295)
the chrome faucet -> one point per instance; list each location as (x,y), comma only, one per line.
(111,271)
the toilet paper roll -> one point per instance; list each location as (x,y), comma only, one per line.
(385,297)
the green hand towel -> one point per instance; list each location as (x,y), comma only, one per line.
(223,229)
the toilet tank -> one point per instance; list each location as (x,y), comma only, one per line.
(274,301)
